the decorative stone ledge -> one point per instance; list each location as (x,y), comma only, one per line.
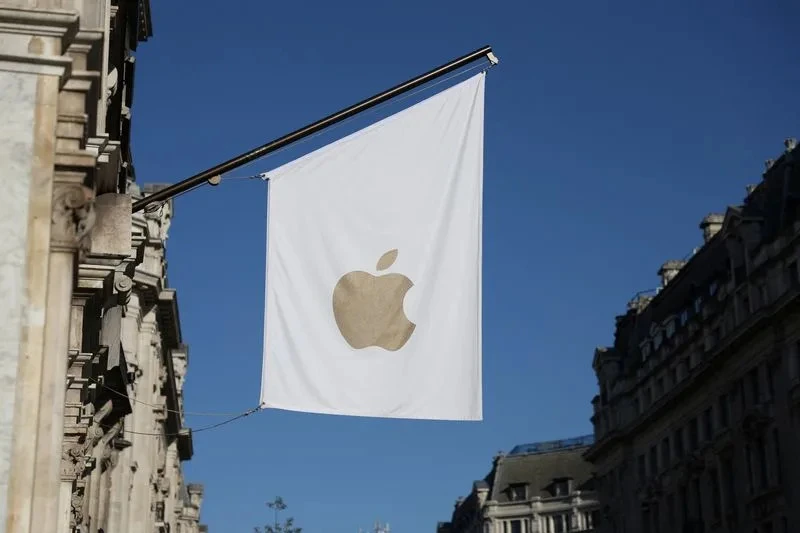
(35,40)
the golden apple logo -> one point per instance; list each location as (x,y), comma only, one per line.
(369,309)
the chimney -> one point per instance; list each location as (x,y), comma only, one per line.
(710,225)
(669,270)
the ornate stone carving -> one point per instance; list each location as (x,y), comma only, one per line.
(112,80)
(163,485)
(106,459)
(73,215)
(76,508)
(73,461)
(75,458)
(123,286)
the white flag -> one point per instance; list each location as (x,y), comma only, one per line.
(373,298)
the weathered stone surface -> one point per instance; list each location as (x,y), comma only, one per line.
(17,107)
(111,235)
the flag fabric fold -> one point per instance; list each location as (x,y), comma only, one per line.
(373,289)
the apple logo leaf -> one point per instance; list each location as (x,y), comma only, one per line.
(387,260)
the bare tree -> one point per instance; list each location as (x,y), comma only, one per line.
(277,505)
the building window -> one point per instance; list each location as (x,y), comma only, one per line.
(698,500)
(684,317)
(642,468)
(740,392)
(745,304)
(646,520)
(670,328)
(739,274)
(794,362)
(791,271)
(673,376)
(762,463)
(657,340)
(748,456)
(708,423)
(561,487)
(653,460)
(772,371)
(659,387)
(724,411)
(755,390)
(656,518)
(516,526)
(764,294)
(665,456)
(694,437)
(671,511)
(517,492)
(698,305)
(716,495)
(776,443)
(678,442)
(683,497)
(559,524)
(729,485)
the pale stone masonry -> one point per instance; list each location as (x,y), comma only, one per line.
(92,361)
(697,418)
(544,487)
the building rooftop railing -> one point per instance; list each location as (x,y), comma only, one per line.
(552,445)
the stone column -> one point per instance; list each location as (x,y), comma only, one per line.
(33,68)
(71,220)
(142,449)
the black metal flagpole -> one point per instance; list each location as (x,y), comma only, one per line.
(261,151)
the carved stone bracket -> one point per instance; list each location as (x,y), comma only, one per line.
(73,461)
(73,217)
(123,286)
(76,459)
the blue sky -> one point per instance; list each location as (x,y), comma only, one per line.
(610,133)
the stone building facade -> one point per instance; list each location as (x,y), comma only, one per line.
(544,487)
(697,418)
(92,361)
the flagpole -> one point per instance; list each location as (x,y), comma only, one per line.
(213,173)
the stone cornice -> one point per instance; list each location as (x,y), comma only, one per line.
(35,40)
(37,21)
(36,64)
(169,318)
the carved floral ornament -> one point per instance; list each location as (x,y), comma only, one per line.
(76,504)
(73,215)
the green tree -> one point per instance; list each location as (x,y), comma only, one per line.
(277,505)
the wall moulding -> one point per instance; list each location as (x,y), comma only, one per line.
(35,40)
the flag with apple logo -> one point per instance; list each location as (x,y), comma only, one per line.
(373,290)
